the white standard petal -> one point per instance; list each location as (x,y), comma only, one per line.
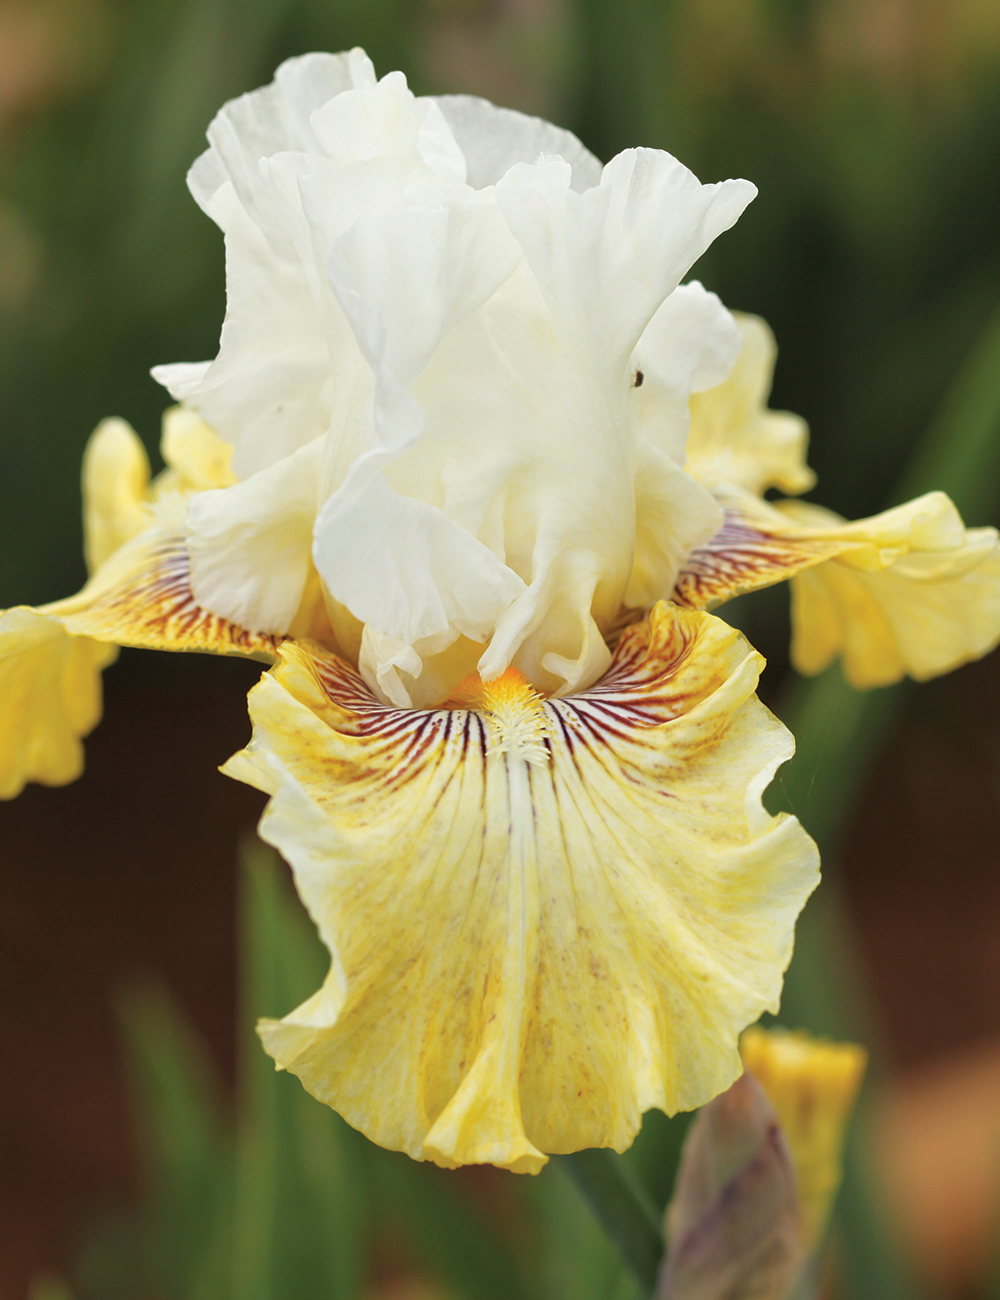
(673,515)
(181,378)
(494,139)
(558,395)
(407,570)
(270,120)
(284,343)
(388,120)
(264,392)
(404,280)
(606,259)
(528,449)
(689,345)
(250,543)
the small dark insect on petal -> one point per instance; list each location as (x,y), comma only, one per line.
(637,381)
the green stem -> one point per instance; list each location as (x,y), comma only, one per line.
(622,1206)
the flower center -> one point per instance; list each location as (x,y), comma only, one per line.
(517,721)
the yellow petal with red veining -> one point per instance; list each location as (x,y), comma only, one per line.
(756,546)
(50,690)
(544,916)
(51,658)
(142,597)
(908,591)
(734,438)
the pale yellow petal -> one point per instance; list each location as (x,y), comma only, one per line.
(918,596)
(735,439)
(50,697)
(117,492)
(812,1084)
(197,458)
(544,917)
(115,482)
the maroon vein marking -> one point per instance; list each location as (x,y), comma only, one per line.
(156,607)
(637,693)
(742,556)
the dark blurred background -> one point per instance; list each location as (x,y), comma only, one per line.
(872,129)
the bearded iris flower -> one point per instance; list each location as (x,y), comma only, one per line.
(440,475)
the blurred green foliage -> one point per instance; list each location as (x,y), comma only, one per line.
(873,132)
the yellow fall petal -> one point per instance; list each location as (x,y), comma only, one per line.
(50,681)
(51,658)
(812,1084)
(545,916)
(50,697)
(734,438)
(142,597)
(930,602)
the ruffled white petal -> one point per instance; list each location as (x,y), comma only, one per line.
(272,120)
(385,120)
(606,259)
(250,544)
(419,575)
(264,392)
(584,251)
(494,139)
(688,346)
(404,280)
